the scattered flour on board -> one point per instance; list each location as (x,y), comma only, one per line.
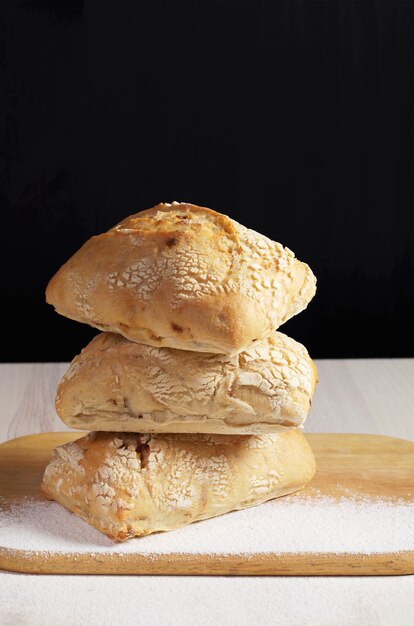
(292,524)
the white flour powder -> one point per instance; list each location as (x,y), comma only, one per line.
(292,524)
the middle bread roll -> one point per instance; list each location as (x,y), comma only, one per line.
(119,385)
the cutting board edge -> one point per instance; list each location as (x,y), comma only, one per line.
(175,564)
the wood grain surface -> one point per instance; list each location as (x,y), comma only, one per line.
(348,465)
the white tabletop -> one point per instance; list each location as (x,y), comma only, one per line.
(361,396)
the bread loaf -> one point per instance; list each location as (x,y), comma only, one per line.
(119,385)
(128,485)
(184,277)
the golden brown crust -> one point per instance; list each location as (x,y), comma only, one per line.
(119,385)
(128,485)
(184,277)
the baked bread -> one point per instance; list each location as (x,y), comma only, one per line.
(184,277)
(119,385)
(128,485)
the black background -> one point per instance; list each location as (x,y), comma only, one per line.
(294,117)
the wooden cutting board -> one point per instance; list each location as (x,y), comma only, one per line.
(351,467)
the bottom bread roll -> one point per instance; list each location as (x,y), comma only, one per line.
(129,484)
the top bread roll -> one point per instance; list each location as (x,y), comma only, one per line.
(185,277)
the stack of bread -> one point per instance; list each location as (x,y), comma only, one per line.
(194,401)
